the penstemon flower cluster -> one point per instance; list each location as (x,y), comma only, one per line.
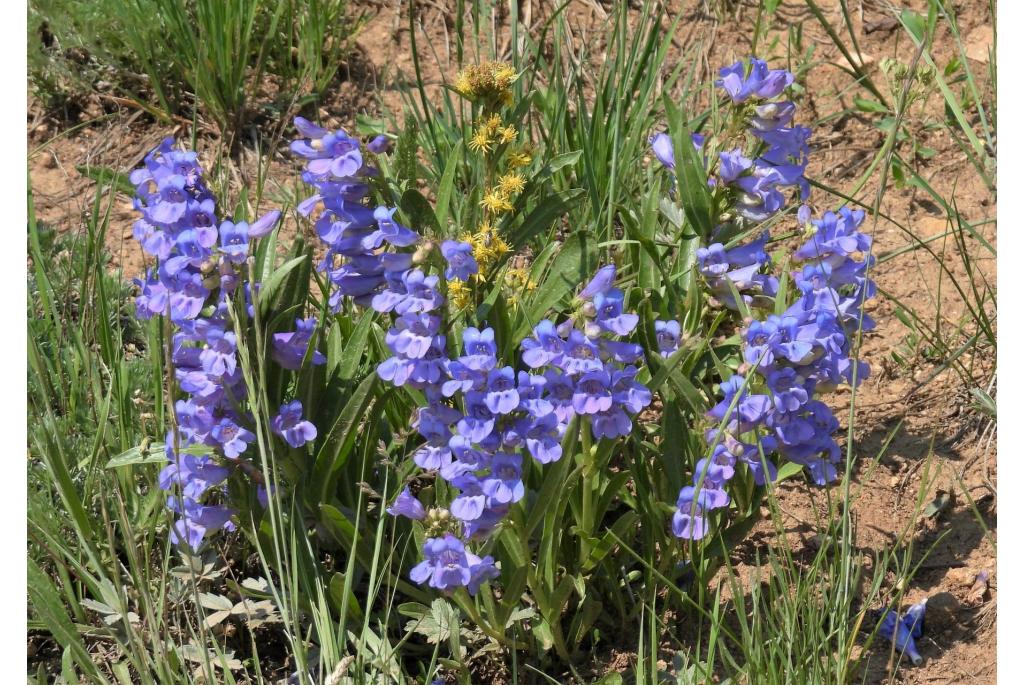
(771,408)
(481,418)
(201,268)
(484,412)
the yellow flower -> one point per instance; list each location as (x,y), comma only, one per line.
(519,159)
(504,76)
(481,141)
(458,293)
(507,134)
(492,124)
(464,85)
(511,184)
(490,80)
(488,247)
(496,202)
(499,247)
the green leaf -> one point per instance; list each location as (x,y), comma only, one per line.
(568,272)
(915,23)
(544,214)
(272,286)
(943,501)
(419,212)
(340,437)
(582,622)
(562,160)
(47,606)
(149,454)
(266,252)
(865,105)
(336,591)
(444,190)
(336,526)
(604,544)
(355,347)
(788,470)
(691,177)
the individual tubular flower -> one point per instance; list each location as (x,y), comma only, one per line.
(904,630)
(666,334)
(448,566)
(742,83)
(738,268)
(461,264)
(408,506)
(290,348)
(290,425)
(661,146)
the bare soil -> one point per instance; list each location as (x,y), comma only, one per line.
(931,438)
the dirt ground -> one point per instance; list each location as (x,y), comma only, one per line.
(931,438)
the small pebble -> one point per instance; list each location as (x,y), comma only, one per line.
(942,610)
(962,576)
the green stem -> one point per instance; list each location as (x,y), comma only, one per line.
(587,523)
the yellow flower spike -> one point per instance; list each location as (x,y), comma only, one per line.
(489,80)
(507,135)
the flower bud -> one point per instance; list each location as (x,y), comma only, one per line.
(208,266)
(422,252)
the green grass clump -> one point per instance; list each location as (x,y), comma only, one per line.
(225,61)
